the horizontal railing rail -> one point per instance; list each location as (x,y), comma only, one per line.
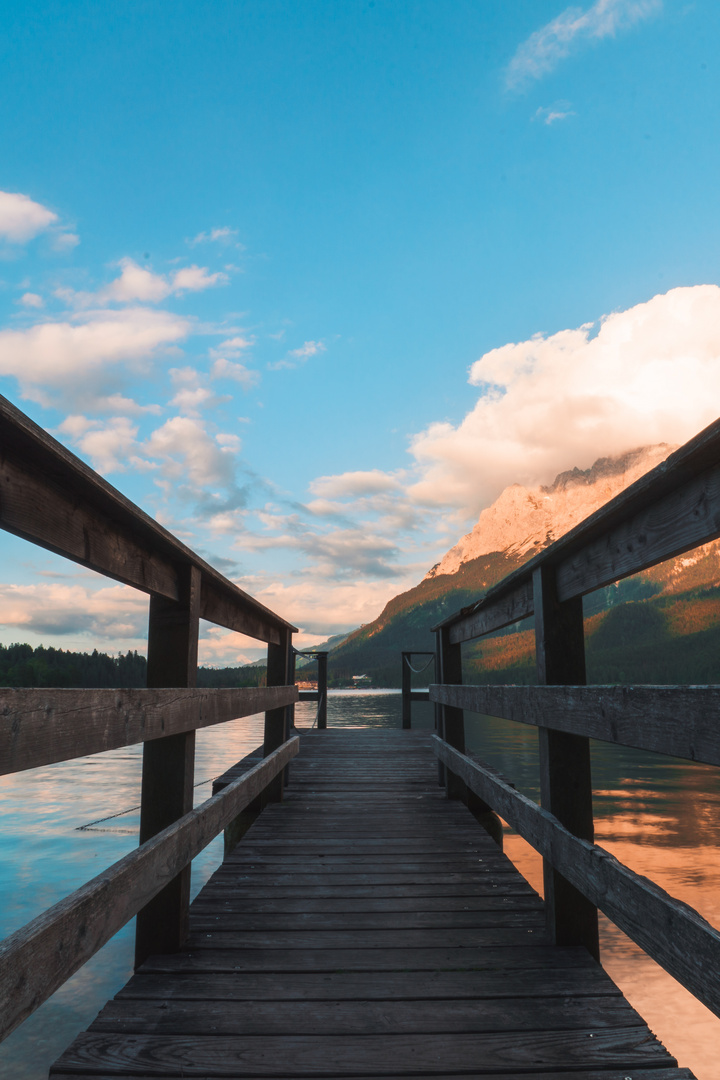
(41,727)
(42,955)
(677,720)
(668,511)
(670,931)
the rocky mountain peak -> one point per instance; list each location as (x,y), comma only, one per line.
(524,520)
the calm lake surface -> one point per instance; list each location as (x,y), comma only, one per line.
(659,815)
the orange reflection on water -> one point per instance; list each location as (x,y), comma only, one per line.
(692,874)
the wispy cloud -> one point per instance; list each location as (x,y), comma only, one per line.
(574,27)
(552,113)
(223,235)
(298,356)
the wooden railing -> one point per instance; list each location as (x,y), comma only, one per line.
(670,510)
(51,498)
(408,694)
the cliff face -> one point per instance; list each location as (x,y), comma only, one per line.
(658,626)
(523,520)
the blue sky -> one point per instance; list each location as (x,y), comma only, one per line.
(313,281)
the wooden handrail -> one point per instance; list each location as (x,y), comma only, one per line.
(52,498)
(40,727)
(673,933)
(677,720)
(42,955)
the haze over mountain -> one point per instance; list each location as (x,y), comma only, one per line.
(521,522)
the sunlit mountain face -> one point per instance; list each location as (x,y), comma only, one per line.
(662,625)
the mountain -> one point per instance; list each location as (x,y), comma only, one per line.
(647,612)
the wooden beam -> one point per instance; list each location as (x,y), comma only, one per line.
(493,614)
(278,671)
(677,720)
(41,956)
(565,780)
(169,763)
(671,932)
(39,727)
(322,682)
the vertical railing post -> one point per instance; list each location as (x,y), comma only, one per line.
(565,780)
(168,763)
(278,669)
(439,709)
(322,683)
(406,691)
(450,669)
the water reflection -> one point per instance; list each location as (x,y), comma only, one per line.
(657,814)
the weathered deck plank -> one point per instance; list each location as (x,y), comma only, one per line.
(368,928)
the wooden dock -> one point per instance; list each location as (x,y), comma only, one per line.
(367,926)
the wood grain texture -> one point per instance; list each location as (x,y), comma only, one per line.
(39,957)
(38,727)
(671,932)
(677,720)
(295,974)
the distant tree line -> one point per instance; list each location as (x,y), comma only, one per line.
(23,665)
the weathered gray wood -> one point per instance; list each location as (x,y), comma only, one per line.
(276,720)
(565,779)
(38,727)
(425,1016)
(485,616)
(330,1056)
(169,763)
(39,957)
(52,498)
(671,932)
(298,940)
(322,682)
(453,721)
(491,918)
(582,1074)
(677,720)
(545,982)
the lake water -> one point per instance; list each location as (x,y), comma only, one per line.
(659,815)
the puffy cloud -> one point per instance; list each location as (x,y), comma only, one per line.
(650,374)
(322,607)
(31,300)
(73,358)
(546,47)
(229,369)
(189,455)
(65,241)
(138,283)
(21,219)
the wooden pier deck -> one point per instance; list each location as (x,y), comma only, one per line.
(368,927)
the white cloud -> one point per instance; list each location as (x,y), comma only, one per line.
(651,374)
(369,482)
(116,613)
(53,359)
(310,348)
(65,241)
(553,113)
(546,47)
(136,283)
(21,219)
(189,455)
(223,235)
(228,369)
(31,300)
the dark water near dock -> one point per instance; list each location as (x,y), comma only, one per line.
(659,815)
